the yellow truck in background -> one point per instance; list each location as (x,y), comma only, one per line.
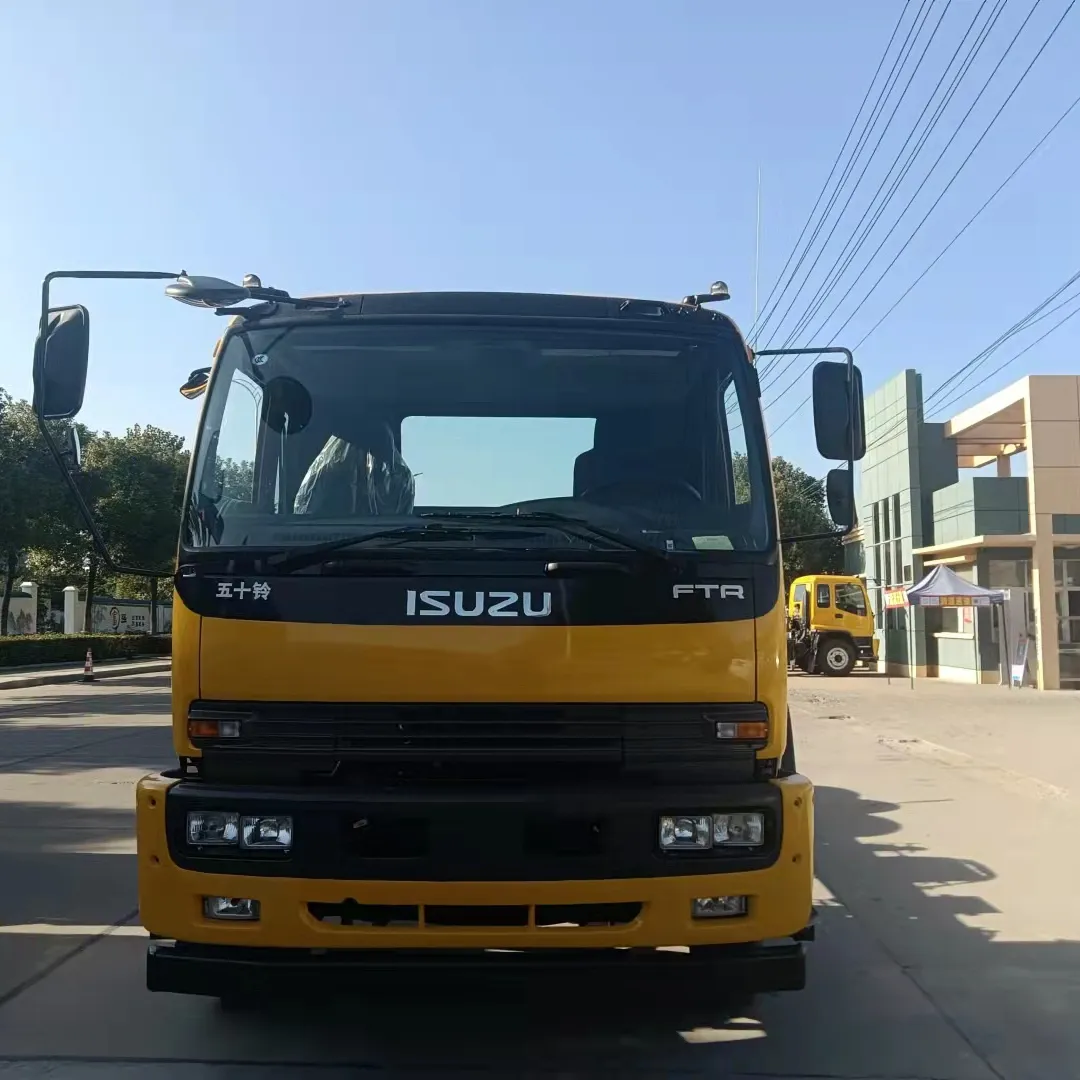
(478,647)
(830,625)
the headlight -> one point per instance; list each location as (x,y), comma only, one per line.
(698,832)
(685,832)
(213,827)
(266,833)
(738,830)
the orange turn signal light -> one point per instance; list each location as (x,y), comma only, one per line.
(742,730)
(213,729)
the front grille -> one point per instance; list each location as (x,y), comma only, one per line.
(629,736)
(350,913)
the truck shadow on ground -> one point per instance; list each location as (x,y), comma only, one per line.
(899,985)
(65,865)
(57,749)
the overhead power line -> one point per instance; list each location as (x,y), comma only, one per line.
(918,27)
(967,158)
(776,375)
(1041,311)
(970,221)
(942,406)
(952,179)
(858,238)
(781,283)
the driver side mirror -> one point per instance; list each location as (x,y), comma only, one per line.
(834,411)
(840,496)
(61,354)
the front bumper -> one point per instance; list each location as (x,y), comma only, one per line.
(171,903)
(236,971)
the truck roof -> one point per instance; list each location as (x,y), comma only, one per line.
(509,304)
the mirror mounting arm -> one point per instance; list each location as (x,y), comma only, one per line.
(834,534)
(57,452)
(87,515)
(99,275)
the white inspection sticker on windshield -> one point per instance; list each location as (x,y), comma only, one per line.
(712,543)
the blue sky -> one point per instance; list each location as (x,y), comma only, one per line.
(607,147)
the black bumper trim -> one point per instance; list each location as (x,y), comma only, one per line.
(475,833)
(233,971)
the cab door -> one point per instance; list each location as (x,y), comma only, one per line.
(823,613)
(851,614)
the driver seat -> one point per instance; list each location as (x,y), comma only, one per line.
(638,449)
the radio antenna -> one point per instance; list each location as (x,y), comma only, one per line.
(757,249)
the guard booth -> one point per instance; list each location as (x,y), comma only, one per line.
(944,588)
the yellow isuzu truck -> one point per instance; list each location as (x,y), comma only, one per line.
(479,641)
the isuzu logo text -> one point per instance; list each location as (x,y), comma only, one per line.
(439,603)
(727,592)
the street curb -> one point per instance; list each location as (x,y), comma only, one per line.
(103,671)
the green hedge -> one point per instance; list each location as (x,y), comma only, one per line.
(26,650)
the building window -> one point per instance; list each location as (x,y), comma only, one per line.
(1014,575)
(958,620)
(1067,599)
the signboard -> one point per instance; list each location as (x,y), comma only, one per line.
(896,598)
(953,601)
(1019,667)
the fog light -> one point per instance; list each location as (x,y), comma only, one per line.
(684,831)
(213,827)
(228,907)
(738,830)
(718,907)
(272,833)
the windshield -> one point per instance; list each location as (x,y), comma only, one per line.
(317,432)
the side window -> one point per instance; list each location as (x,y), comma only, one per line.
(238,436)
(823,597)
(802,595)
(850,598)
(737,445)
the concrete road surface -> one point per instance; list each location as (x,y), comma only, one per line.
(948,930)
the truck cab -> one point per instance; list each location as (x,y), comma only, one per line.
(831,626)
(477,642)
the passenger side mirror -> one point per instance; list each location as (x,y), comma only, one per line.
(840,496)
(72,452)
(834,411)
(61,354)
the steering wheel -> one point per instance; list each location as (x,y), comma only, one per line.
(668,484)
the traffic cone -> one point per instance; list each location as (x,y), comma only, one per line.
(88,667)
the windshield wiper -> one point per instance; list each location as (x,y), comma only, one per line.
(576,527)
(287,561)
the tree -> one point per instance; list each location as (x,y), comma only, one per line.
(135,486)
(34,512)
(800,503)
